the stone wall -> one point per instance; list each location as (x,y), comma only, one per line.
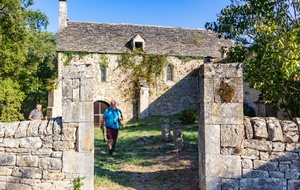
(35,155)
(269,152)
(242,153)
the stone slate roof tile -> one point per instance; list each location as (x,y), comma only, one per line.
(116,38)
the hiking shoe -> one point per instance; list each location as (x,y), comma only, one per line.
(110,151)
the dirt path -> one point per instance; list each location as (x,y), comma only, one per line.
(172,171)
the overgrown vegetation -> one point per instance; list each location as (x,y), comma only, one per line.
(77,183)
(267,36)
(189,116)
(142,69)
(140,144)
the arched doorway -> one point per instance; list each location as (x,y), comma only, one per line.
(99,108)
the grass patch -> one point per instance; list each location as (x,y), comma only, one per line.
(138,144)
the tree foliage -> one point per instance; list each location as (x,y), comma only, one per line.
(267,37)
(27,58)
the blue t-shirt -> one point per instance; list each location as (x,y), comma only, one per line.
(112,118)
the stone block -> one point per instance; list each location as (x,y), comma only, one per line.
(274,129)
(7,159)
(59,185)
(85,137)
(10,143)
(207,91)
(290,130)
(2,129)
(230,184)
(32,173)
(247,164)
(54,176)
(232,135)
(77,112)
(293,184)
(76,162)
(42,152)
(255,173)
(297,121)
(27,161)
(263,183)
(251,153)
(248,128)
(14,186)
(223,166)
(229,70)
(264,165)
(259,128)
(226,113)
(258,144)
(63,145)
(22,129)
(69,134)
(278,146)
(11,129)
(276,174)
(292,147)
(31,142)
(43,186)
(212,139)
(264,155)
(50,163)
(5,171)
(33,129)
(86,90)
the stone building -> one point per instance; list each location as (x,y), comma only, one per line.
(90,44)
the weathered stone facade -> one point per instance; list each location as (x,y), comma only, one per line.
(40,155)
(112,40)
(237,153)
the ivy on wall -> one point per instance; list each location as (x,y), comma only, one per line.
(144,70)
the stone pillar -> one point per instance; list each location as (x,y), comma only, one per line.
(177,133)
(221,106)
(165,129)
(77,110)
(144,102)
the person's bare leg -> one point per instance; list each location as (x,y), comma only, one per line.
(110,145)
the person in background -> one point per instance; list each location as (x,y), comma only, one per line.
(112,120)
(37,113)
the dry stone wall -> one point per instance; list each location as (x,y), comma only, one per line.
(269,152)
(237,153)
(32,155)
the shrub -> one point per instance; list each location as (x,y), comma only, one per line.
(188,116)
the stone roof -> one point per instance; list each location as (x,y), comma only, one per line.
(116,38)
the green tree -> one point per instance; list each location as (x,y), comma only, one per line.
(267,37)
(27,58)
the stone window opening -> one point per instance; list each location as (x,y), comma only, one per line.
(169,73)
(103,74)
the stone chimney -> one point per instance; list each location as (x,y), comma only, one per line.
(63,20)
(224,50)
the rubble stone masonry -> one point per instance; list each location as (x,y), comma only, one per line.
(242,153)
(36,155)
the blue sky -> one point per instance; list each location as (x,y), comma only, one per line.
(173,13)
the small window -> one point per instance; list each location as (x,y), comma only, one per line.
(169,73)
(138,42)
(103,74)
(139,45)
